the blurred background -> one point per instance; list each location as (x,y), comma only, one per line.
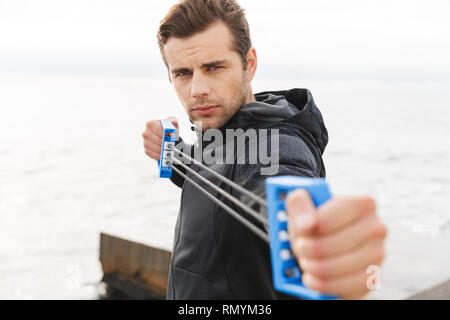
(79,80)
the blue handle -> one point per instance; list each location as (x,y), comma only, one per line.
(169,139)
(287,277)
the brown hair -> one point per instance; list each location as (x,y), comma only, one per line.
(188,17)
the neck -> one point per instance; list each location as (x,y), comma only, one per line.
(250,97)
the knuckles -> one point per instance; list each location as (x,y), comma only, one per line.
(315,283)
(378,229)
(150,124)
(369,205)
(316,267)
(308,247)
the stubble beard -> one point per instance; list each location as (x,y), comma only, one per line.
(228,111)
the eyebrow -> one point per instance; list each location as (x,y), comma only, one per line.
(205,65)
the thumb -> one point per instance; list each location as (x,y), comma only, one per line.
(174,121)
(302,214)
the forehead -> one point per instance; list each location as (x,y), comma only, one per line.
(201,47)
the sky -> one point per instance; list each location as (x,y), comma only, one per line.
(324,40)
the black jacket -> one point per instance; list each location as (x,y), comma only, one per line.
(214,256)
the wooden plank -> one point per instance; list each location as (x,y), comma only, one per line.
(139,271)
(439,292)
(124,261)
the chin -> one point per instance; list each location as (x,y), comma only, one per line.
(209,126)
(208,123)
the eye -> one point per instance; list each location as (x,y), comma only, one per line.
(213,68)
(183,74)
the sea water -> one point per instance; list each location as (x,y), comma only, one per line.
(72,165)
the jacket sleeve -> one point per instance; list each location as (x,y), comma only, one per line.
(293,157)
(176,178)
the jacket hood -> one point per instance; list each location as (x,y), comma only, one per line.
(294,106)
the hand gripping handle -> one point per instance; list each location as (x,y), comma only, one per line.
(286,273)
(168,141)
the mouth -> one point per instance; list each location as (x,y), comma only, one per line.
(205,110)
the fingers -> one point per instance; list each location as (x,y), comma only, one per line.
(370,253)
(150,144)
(350,286)
(335,242)
(153,155)
(330,217)
(302,214)
(154,128)
(346,239)
(174,121)
(153,135)
(340,212)
(152,150)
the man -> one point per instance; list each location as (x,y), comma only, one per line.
(207,50)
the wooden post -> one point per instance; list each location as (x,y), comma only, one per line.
(135,269)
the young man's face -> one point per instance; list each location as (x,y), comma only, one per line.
(208,75)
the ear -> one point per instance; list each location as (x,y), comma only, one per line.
(252,63)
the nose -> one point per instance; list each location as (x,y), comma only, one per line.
(199,86)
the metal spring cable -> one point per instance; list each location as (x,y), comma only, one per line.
(263,235)
(222,178)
